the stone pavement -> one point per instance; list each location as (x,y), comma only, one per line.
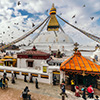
(45,91)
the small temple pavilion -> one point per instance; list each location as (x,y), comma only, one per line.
(31,58)
(81,69)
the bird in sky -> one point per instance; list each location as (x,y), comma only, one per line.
(74,16)
(83,5)
(92,18)
(76,22)
(47,10)
(23,30)
(8,26)
(33,24)
(19,3)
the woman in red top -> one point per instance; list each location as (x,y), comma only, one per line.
(90,91)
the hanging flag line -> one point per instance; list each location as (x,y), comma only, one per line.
(24,36)
(93,37)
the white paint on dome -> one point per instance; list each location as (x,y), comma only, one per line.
(50,37)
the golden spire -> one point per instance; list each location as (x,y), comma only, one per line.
(53,5)
(53,24)
(52,10)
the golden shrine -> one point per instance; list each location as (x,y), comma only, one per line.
(8,61)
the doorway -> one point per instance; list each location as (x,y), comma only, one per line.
(56,75)
(80,79)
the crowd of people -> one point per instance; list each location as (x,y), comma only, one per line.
(74,88)
(31,80)
(86,90)
(25,94)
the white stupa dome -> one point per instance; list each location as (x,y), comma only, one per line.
(51,37)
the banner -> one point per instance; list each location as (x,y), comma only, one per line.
(44,69)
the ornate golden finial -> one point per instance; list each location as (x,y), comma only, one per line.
(76,48)
(53,5)
(76,44)
(52,10)
(83,74)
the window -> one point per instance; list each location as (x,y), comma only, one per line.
(30,63)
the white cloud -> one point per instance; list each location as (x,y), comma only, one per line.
(68,8)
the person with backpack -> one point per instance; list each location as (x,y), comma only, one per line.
(90,91)
(25,94)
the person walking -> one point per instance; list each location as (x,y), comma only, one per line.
(90,91)
(72,85)
(4,75)
(63,81)
(26,89)
(13,79)
(36,83)
(84,95)
(15,75)
(63,89)
(77,91)
(31,79)
(25,94)
(25,78)
(3,83)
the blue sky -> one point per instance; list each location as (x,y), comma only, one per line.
(34,11)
